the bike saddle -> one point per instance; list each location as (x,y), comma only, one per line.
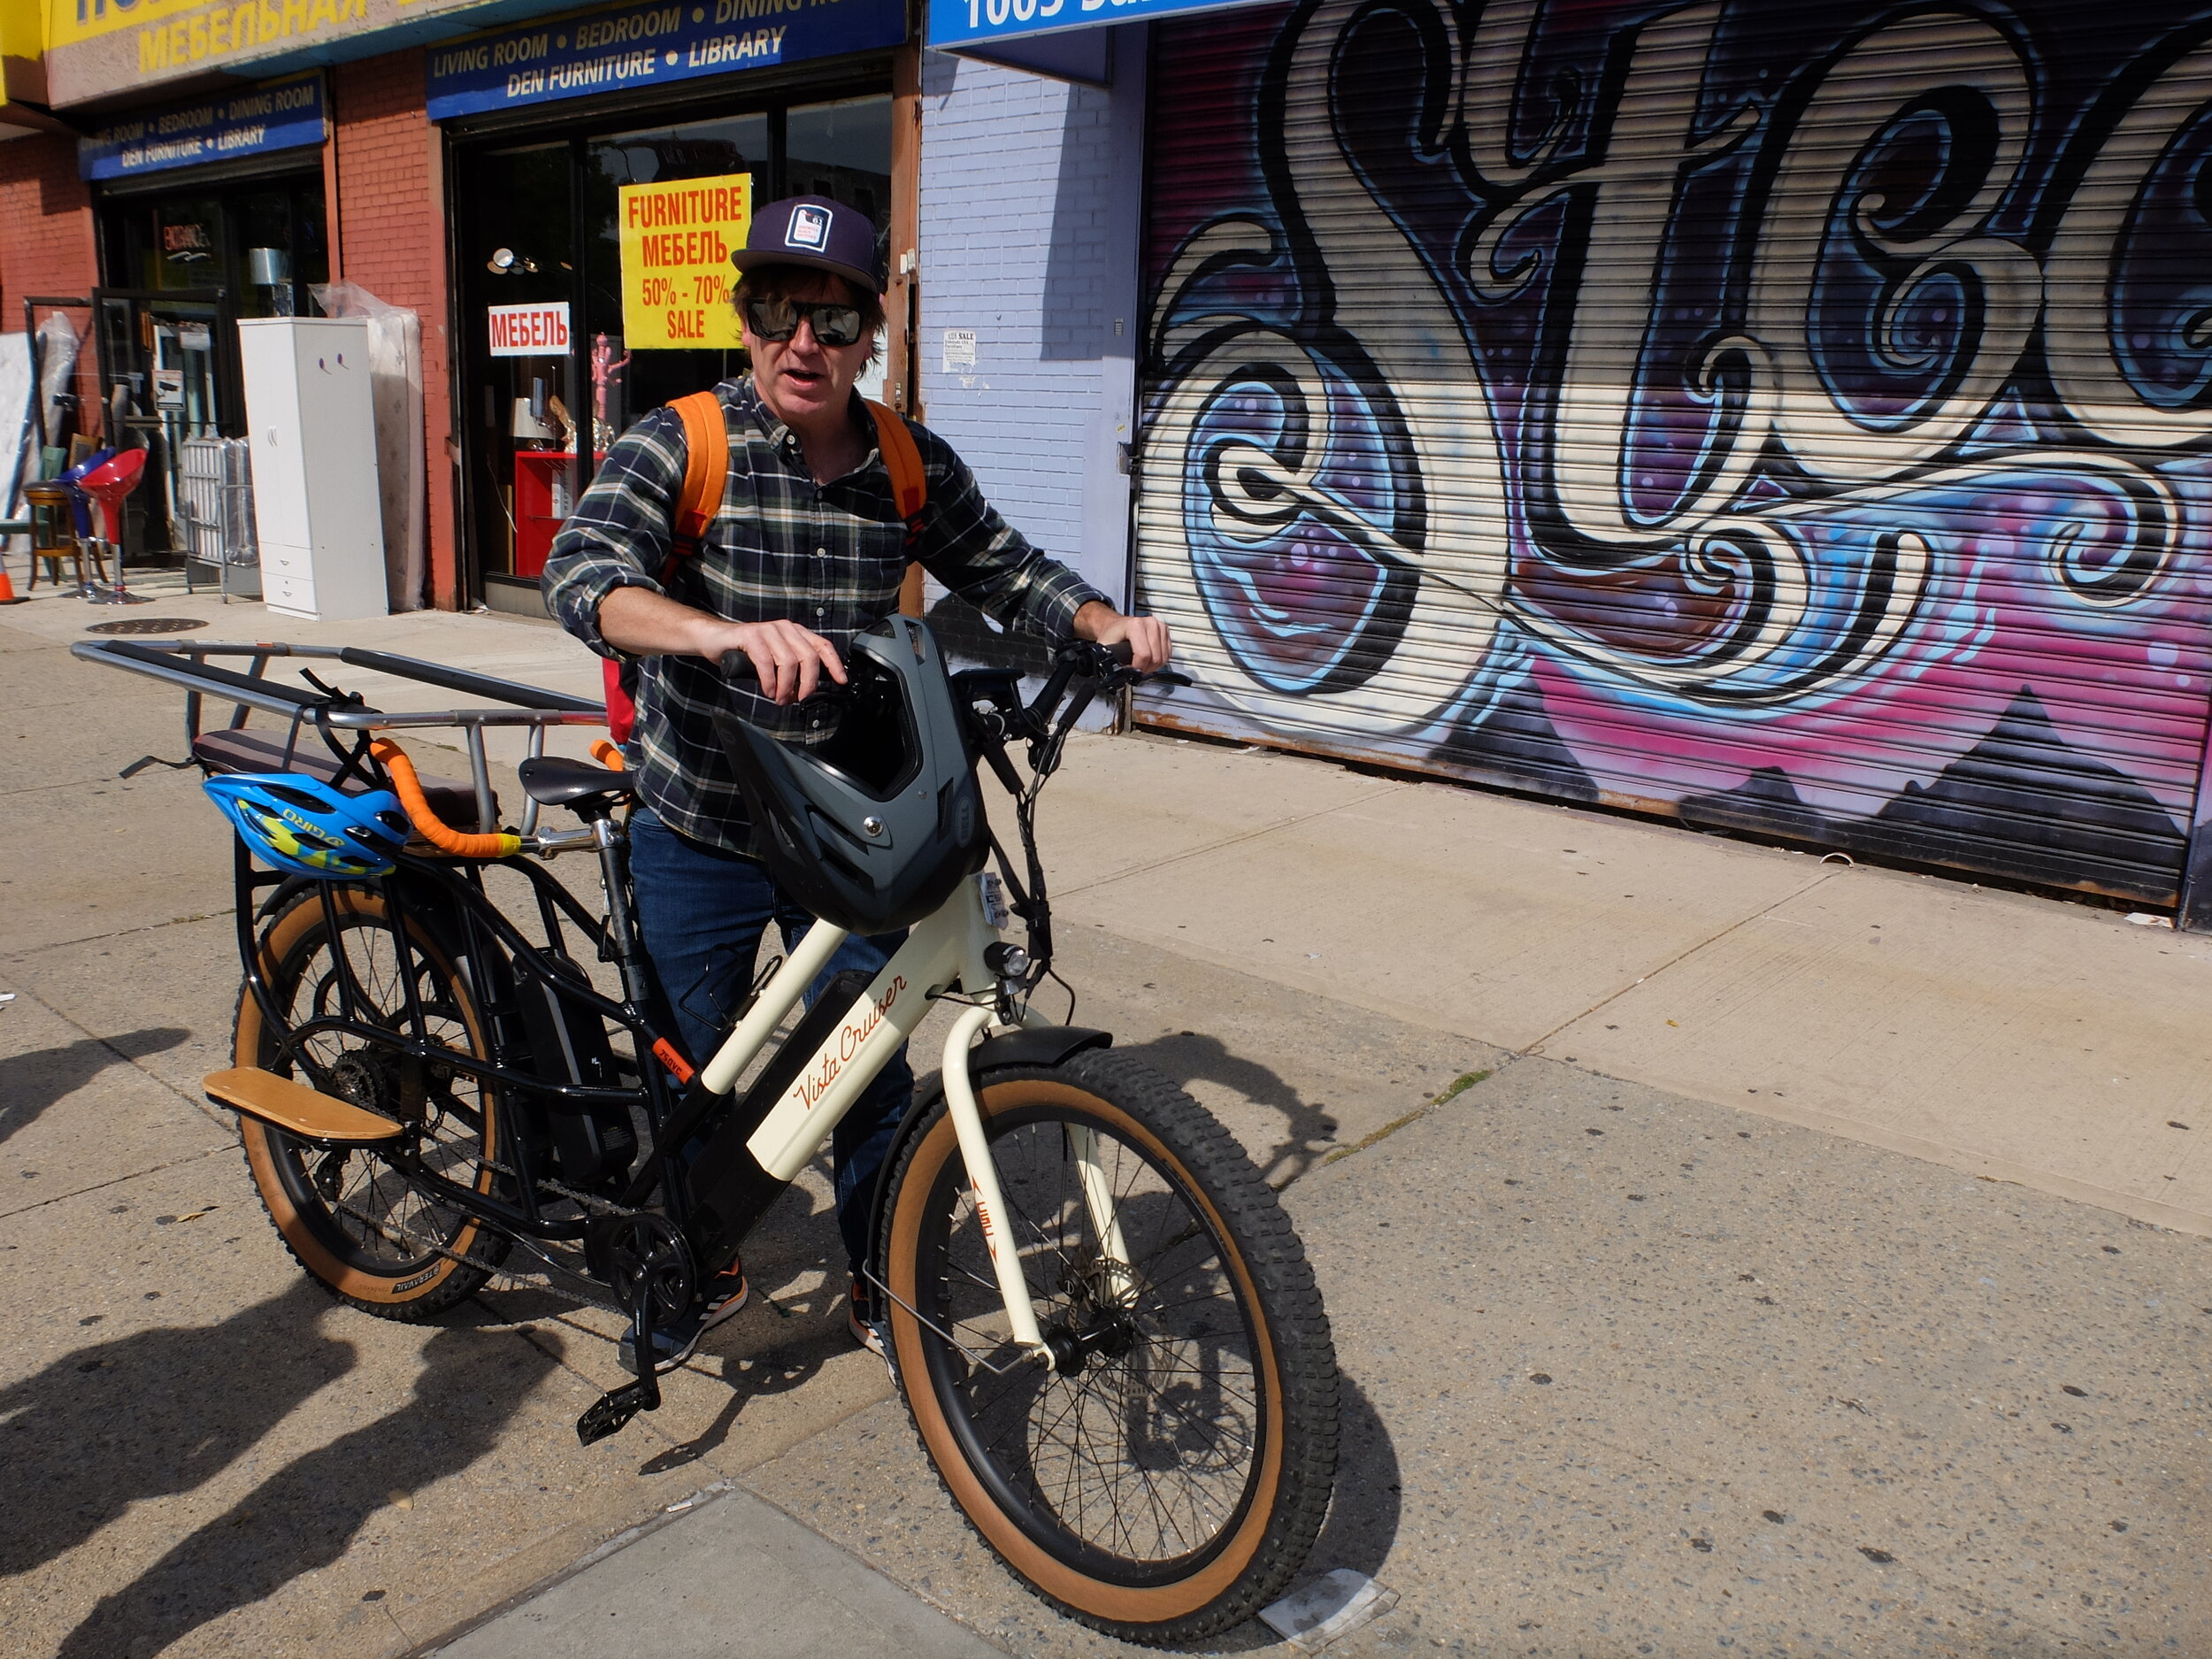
(551,780)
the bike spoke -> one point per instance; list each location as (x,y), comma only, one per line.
(1145,1455)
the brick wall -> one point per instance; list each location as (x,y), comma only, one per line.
(46,244)
(1030,197)
(391,240)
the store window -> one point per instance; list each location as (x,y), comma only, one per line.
(181,264)
(261,243)
(539,238)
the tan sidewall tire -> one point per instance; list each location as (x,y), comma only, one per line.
(261,1153)
(1120,1603)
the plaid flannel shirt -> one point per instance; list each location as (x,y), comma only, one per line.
(828,556)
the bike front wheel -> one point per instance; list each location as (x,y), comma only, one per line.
(1166,1477)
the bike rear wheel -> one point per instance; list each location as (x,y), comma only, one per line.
(1170,1481)
(347,1217)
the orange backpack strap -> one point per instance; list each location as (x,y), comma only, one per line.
(706,469)
(903,459)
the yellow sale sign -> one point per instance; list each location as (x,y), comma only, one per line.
(676,239)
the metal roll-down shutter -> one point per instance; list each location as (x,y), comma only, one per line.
(1790,417)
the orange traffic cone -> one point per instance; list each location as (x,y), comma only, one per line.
(8,595)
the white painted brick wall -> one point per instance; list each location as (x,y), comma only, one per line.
(1030,196)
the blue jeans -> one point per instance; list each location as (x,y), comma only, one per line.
(700,912)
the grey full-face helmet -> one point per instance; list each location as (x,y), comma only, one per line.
(873,829)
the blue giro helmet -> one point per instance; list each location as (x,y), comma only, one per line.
(302,824)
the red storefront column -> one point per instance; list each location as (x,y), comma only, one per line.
(388,222)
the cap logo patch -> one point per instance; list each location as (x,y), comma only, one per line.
(810,228)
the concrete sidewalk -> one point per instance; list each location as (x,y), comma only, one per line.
(1627,1368)
(2027,1039)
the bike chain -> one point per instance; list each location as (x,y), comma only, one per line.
(504,1278)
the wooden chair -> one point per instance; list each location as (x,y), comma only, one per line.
(54,534)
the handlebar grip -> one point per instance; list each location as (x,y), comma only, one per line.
(434,830)
(1120,651)
(737,666)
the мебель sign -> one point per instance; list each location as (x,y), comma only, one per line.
(539,330)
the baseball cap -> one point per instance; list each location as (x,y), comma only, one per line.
(814,232)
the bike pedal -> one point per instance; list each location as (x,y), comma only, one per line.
(612,1412)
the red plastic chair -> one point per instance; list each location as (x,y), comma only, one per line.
(104,486)
(108,483)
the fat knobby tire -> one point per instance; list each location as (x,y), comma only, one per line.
(409,1297)
(1202,1154)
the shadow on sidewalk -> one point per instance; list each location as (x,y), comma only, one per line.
(29,1083)
(1362,1523)
(1309,1132)
(781,1341)
(150,1416)
(306,1515)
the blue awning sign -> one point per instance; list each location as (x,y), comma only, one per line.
(279,115)
(646,45)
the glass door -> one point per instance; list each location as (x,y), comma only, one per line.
(551,376)
(167,362)
(627,383)
(516,244)
(183,265)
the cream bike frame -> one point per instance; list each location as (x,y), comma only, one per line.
(945,953)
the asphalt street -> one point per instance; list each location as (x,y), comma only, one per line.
(1710,1274)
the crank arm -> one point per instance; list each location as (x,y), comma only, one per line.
(612,1412)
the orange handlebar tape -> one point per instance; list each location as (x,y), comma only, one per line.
(608,756)
(445,839)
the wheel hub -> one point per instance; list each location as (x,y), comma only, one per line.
(382,1081)
(1073,1341)
(362,1079)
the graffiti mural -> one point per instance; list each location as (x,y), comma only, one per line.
(1793,417)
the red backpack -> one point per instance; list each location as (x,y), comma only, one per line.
(707,469)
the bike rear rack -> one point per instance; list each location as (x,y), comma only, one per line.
(185,663)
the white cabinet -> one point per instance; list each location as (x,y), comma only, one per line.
(312,427)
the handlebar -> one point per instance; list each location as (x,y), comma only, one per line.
(435,829)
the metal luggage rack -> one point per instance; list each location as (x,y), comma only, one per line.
(184,662)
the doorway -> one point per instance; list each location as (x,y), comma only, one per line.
(536,240)
(181,265)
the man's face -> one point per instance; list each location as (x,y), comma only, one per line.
(801,380)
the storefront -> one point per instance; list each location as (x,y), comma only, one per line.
(203,213)
(599,187)
(1785,417)
(475,179)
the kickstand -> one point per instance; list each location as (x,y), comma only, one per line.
(611,1413)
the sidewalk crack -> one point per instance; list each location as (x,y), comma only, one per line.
(1680,957)
(117,1180)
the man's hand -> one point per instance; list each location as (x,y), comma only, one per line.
(789,659)
(1150,647)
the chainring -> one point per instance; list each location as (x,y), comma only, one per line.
(625,1252)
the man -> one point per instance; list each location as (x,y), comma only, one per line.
(807,549)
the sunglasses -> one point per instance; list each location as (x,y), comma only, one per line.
(834,325)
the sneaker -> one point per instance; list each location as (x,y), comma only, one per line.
(675,1344)
(856,1321)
